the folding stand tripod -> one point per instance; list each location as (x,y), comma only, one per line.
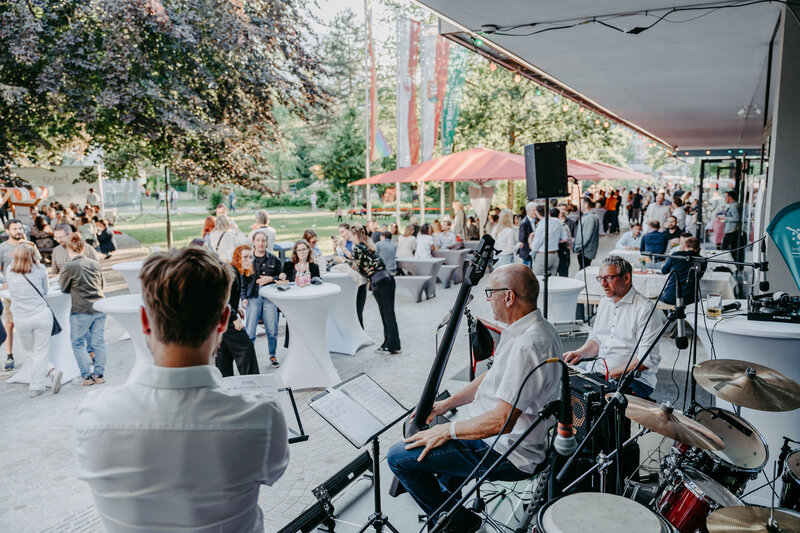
(377,519)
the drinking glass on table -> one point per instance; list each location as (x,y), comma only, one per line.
(714,305)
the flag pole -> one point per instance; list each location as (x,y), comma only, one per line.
(367,107)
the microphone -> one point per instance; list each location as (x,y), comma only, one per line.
(735,306)
(763,285)
(449,314)
(565,443)
(681,342)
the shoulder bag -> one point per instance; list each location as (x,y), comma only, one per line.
(56,326)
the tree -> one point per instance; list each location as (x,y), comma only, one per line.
(192,84)
(342,156)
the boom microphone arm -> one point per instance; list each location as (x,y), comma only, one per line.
(475,271)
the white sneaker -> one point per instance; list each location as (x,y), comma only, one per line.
(55,380)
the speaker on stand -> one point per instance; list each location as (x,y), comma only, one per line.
(546,177)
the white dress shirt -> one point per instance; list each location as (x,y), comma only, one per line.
(523,345)
(447,239)
(655,212)
(627,240)
(173,451)
(680,215)
(616,330)
(557,233)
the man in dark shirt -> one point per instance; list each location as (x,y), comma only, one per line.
(671,228)
(690,247)
(656,241)
(636,207)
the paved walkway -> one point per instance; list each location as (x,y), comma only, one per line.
(39,489)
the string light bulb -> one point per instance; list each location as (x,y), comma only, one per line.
(538,91)
(597,122)
(492,67)
(580,109)
(517,78)
(565,108)
(606,124)
(478,41)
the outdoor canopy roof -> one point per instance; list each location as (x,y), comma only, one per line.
(481,165)
(696,79)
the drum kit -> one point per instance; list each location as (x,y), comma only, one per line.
(714,455)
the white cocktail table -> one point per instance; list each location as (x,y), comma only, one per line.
(345,334)
(60,352)
(130,272)
(125,309)
(562,298)
(308,363)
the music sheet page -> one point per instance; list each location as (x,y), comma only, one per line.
(372,397)
(349,418)
(264,383)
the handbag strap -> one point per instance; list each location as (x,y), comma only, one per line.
(39,293)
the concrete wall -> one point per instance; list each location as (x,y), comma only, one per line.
(783,187)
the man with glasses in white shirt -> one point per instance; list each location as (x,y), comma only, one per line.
(172,449)
(623,316)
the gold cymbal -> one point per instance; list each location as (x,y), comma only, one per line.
(665,421)
(748,384)
(749,520)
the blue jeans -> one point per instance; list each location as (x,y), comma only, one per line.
(88,330)
(452,461)
(262,308)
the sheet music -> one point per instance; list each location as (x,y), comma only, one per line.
(372,397)
(349,418)
(264,383)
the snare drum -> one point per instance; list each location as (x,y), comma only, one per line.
(598,513)
(744,455)
(790,495)
(691,498)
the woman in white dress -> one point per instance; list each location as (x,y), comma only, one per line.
(406,243)
(224,239)
(425,243)
(505,237)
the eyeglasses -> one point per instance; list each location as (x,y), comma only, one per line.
(490,291)
(607,279)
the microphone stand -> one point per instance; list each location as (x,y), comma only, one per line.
(697,268)
(544,413)
(619,403)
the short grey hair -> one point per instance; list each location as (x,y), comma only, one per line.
(530,206)
(66,228)
(623,266)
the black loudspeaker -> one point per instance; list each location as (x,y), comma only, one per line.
(546,170)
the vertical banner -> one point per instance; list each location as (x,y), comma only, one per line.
(442,62)
(408,139)
(452,98)
(379,147)
(427,65)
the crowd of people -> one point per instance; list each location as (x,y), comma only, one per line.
(69,241)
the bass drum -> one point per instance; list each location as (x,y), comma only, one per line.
(790,494)
(598,513)
(744,455)
(691,498)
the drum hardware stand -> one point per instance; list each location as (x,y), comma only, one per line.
(619,403)
(603,461)
(785,449)
(696,270)
(549,410)
(668,475)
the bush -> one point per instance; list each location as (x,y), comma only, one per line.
(215,199)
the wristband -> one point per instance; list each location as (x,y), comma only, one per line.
(453,431)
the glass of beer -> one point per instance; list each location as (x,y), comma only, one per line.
(714,305)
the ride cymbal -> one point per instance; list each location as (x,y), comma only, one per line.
(748,384)
(665,421)
(750,520)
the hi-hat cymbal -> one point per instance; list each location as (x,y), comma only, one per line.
(750,520)
(748,384)
(664,421)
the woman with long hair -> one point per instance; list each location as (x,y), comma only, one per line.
(42,235)
(27,282)
(208,226)
(311,236)
(267,267)
(425,243)
(236,345)
(368,263)
(505,238)
(302,260)
(223,238)
(436,233)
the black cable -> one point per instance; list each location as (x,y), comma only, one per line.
(672,378)
(491,447)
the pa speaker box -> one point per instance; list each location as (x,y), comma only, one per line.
(546,170)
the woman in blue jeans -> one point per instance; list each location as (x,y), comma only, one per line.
(266,269)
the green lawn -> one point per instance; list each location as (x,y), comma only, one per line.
(150,229)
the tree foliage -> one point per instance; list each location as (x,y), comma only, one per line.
(192,84)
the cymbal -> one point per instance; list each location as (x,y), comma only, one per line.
(748,384)
(665,421)
(749,520)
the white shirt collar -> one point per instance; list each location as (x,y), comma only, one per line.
(522,323)
(628,298)
(190,377)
